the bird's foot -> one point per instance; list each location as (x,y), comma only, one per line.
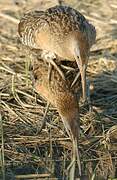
(49,57)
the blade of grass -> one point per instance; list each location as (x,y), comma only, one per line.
(2,149)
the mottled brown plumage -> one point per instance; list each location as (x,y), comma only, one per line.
(66,100)
(61,30)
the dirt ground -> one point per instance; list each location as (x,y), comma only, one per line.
(24,154)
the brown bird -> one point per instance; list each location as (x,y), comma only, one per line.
(61,31)
(60,94)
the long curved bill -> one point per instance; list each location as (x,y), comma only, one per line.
(83,80)
(82,67)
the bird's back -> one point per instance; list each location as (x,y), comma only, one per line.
(50,29)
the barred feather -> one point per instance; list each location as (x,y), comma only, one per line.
(58,21)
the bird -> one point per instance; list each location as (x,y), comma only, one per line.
(66,100)
(62,32)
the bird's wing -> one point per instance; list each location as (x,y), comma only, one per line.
(31,24)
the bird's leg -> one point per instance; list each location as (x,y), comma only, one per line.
(57,68)
(71,167)
(77,155)
(44,118)
(49,72)
(66,67)
(72,128)
(75,152)
(75,79)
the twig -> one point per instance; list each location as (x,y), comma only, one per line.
(44,118)
(8,17)
(30,176)
(2,149)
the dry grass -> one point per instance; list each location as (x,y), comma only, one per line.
(26,155)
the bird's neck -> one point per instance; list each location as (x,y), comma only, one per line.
(69,112)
